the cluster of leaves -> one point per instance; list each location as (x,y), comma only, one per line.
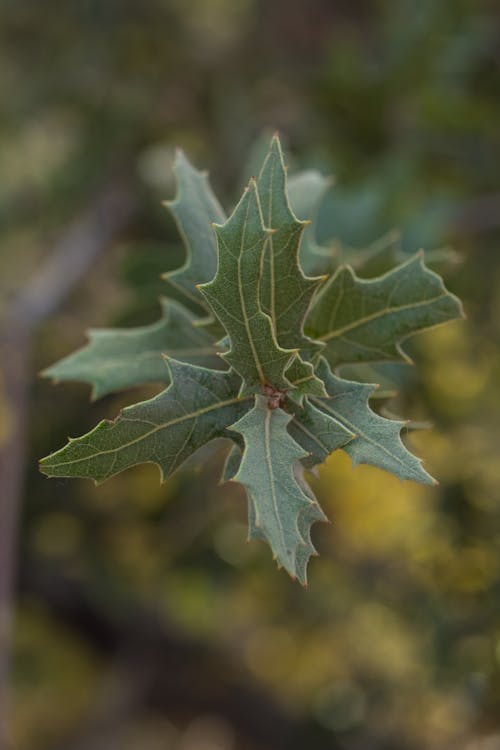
(254,355)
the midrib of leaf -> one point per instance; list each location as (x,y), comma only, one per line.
(379,314)
(267,438)
(355,429)
(272,302)
(313,437)
(246,320)
(157,428)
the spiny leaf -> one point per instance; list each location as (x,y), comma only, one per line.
(233,296)
(377,440)
(119,358)
(285,292)
(364,320)
(166,430)
(194,208)
(280,510)
(309,515)
(317,432)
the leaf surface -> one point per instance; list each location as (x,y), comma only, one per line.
(285,292)
(165,430)
(195,208)
(365,320)
(318,432)
(120,358)
(233,296)
(306,190)
(280,511)
(377,440)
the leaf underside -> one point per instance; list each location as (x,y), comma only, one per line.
(282,338)
(279,509)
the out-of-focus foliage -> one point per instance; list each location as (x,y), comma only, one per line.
(396,644)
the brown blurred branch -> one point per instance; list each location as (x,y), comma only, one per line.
(79,246)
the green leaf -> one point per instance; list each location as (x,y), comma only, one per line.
(317,432)
(377,440)
(233,296)
(120,358)
(280,510)
(232,462)
(306,191)
(285,292)
(306,518)
(195,208)
(165,430)
(364,320)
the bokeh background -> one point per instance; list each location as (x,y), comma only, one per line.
(141,619)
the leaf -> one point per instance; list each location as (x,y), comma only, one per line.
(306,190)
(285,292)
(279,509)
(233,296)
(317,432)
(377,440)
(232,462)
(306,518)
(194,208)
(166,430)
(364,320)
(115,359)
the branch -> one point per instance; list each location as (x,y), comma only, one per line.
(84,240)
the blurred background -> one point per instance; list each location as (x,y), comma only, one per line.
(140,618)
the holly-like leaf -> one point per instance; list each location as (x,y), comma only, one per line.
(194,208)
(280,403)
(120,358)
(377,440)
(233,296)
(364,320)
(285,292)
(165,430)
(280,510)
